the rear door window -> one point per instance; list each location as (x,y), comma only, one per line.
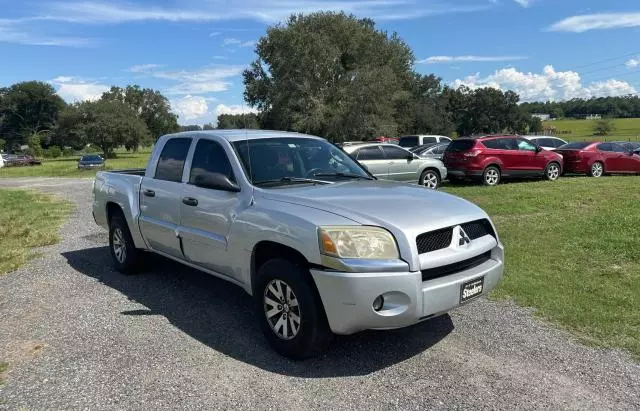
(495,144)
(605,147)
(369,153)
(618,148)
(171,162)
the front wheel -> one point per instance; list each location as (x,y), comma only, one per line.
(291,313)
(552,172)
(430,179)
(491,176)
(597,169)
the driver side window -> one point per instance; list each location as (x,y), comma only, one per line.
(524,145)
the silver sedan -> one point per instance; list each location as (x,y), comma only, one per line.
(391,162)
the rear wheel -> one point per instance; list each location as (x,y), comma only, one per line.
(430,179)
(552,172)
(290,311)
(124,254)
(491,176)
(597,169)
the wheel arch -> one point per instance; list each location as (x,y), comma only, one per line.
(266,250)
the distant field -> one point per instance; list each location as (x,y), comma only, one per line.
(625,129)
(68,166)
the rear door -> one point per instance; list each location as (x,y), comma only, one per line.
(161,198)
(506,149)
(402,165)
(206,214)
(373,158)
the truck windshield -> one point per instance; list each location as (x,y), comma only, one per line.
(295,160)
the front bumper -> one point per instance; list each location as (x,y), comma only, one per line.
(89,166)
(348,297)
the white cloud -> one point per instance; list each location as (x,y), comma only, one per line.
(458,59)
(586,22)
(190,107)
(11,33)
(633,63)
(524,3)
(102,12)
(207,80)
(142,68)
(233,109)
(249,43)
(548,85)
(215,34)
(73,90)
(231,42)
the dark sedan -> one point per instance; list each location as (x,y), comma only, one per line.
(91,161)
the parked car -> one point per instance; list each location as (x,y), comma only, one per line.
(546,142)
(432,150)
(597,158)
(320,244)
(18,160)
(383,139)
(492,158)
(90,161)
(391,162)
(420,140)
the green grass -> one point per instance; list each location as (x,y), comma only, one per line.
(572,252)
(625,129)
(27,220)
(68,166)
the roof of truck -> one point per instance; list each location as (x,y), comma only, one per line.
(239,135)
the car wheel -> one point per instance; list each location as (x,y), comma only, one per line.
(124,254)
(597,169)
(491,176)
(290,311)
(552,172)
(430,179)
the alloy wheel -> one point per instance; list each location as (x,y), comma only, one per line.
(119,248)
(596,169)
(282,309)
(430,180)
(553,172)
(492,177)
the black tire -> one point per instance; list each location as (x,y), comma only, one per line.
(120,235)
(491,176)
(430,179)
(596,170)
(553,171)
(313,334)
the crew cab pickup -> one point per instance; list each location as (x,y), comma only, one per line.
(321,245)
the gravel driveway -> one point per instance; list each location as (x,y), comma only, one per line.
(76,334)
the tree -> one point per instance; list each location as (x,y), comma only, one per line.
(238,121)
(603,127)
(329,74)
(192,127)
(27,109)
(105,124)
(3,143)
(208,126)
(149,105)
(535,125)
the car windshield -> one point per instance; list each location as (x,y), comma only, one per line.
(91,158)
(574,146)
(296,160)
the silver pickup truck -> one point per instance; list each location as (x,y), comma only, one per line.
(322,246)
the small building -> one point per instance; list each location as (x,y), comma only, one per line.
(542,117)
(593,117)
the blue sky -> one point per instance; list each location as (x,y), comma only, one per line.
(194,51)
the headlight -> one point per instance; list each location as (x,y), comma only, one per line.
(357,242)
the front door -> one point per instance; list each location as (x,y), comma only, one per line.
(613,161)
(402,165)
(536,160)
(374,160)
(160,199)
(206,214)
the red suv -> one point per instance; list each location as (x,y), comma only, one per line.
(495,157)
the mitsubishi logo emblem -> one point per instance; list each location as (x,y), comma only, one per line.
(463,237)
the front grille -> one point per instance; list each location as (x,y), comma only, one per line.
(478,228)
(445,270)
(434,240)
(439,239)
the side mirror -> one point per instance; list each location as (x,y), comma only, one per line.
(538,149)
(411,157)
(216,181)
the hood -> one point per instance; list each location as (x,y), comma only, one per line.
(406,208)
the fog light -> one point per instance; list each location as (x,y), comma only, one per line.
(378,303)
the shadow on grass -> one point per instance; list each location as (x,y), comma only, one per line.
(220,315)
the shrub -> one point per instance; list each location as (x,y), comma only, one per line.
(54,152)
(67,152)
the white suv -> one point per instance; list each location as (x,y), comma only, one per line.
(421,139)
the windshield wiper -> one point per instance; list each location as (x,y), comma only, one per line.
(291,180)
(344,175)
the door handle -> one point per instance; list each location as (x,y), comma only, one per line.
(190,201)
(149,193)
